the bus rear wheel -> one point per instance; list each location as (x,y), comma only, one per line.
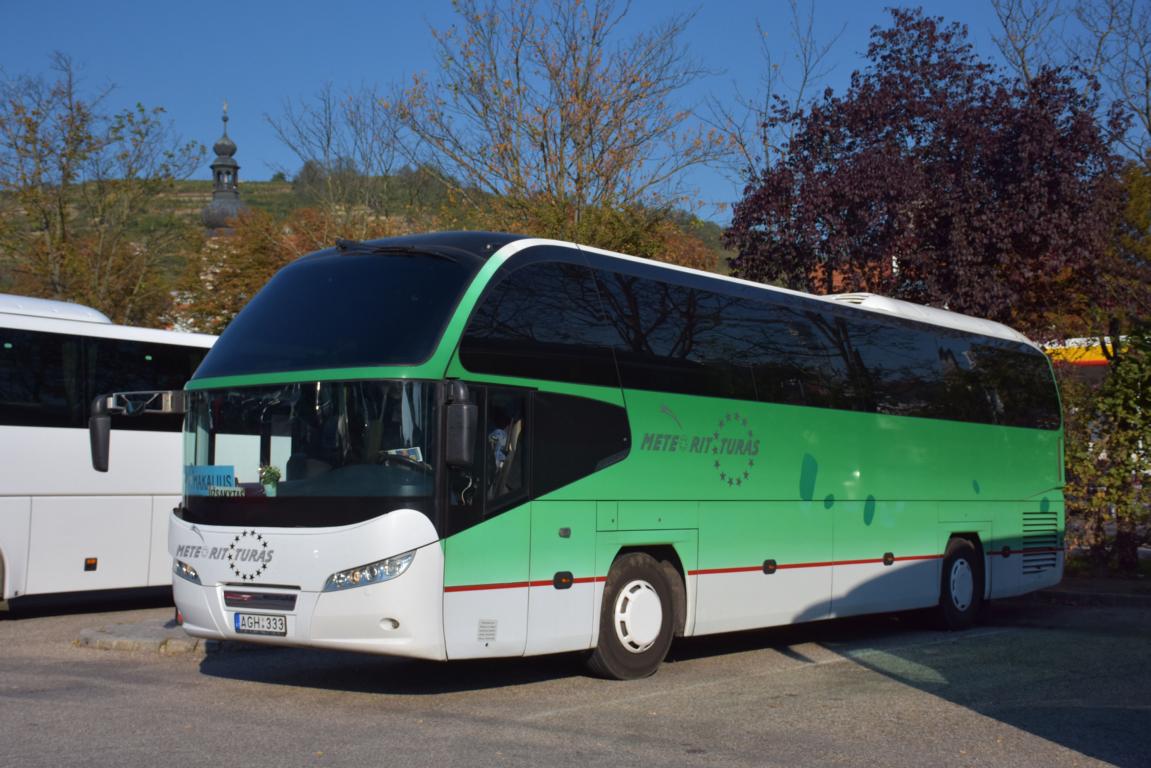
(636,617)
(961,590)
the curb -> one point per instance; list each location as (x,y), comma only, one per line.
(163,637)
(1088,599)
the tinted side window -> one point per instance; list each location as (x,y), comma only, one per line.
(544,321)
(1023,394)
(674,338)
(41,380)
(899,369)
(120,365)
(964,393)
(805,357)
(541,321)
(575,437)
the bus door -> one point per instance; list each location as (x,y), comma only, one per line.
(488,527)
(561,604)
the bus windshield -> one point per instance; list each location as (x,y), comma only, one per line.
(342,311)
(309,454)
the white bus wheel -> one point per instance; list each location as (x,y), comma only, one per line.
(961,588)
(636,619)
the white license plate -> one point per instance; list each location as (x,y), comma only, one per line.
(261,624)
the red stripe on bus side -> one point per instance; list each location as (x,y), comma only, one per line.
(520,584)
(700,572)
(741,569)
(783,566)
(477,587)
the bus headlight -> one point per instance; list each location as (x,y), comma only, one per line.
(372,573)
(185,571)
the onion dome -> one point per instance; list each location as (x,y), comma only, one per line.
(226,203)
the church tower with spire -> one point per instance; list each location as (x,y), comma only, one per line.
(226,203)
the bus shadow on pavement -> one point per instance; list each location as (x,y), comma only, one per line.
(365,673)
(1076,677)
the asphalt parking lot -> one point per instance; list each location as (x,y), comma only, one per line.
(1038,685)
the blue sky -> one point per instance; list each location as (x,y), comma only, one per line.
(189,57)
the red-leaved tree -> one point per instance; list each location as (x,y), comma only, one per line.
(938,179)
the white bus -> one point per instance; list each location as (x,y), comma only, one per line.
(63,526)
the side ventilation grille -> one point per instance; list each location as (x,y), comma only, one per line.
(1040,541)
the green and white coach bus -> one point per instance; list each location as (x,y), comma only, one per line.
(470,445)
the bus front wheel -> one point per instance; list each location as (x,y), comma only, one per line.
(961,591)
(636,618)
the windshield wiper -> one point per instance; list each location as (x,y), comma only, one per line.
(447,253)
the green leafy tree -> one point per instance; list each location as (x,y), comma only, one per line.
(80,197)
(1109,455)
(1108,422)
(1133,242)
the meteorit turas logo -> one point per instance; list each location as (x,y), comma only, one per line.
(248,555)
(731,447)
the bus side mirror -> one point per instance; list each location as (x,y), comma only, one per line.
(462,419)
(99,431)
(127,404)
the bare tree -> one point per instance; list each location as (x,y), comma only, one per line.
(1029,37)
(753,138)
(1107,41)
(347,147)
(1118,44)
(540,114)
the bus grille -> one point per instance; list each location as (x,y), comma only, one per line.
(1040,541)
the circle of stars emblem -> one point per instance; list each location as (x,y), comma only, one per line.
(259,543)
(733,470)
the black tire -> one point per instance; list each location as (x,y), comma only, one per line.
(633,639)
(961,586)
